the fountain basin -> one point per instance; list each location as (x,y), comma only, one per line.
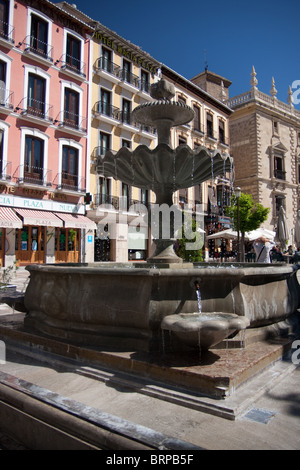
(203,331)
(124,305)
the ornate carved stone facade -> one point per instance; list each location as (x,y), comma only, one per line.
(265,144)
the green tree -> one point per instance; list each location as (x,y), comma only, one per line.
(189,247)
(251,215)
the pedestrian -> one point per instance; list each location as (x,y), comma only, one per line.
(262,247)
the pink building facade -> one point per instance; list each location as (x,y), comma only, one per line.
(44,124)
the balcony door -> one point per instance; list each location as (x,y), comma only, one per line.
(34,160)
(36,95)
(39,36)
(4,9)
(73,59)
(70,168)
(71,112)
(105,102)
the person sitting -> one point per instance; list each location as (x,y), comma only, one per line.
(276,254)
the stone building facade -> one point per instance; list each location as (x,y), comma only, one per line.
(265,145)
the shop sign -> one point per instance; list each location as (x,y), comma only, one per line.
(45,204)
(125,52)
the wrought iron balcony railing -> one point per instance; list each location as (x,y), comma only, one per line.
(72,64)
(129,77)
(5,171)
(107,66)
(33,175)
(35,109)
(41,49)
(108,110)
(69,120)
(280,174)
(6,98)
(7,32)
(70,182)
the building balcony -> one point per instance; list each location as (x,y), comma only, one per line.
(7,35)
(107,69)
(6,100)
(72,67)
(107,112)
(120,203)
(280,174)
(129,81)
(33,176)
(70,183)
(38,50)
(71,123)
(5,171)
(35,111)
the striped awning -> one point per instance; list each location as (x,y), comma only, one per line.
(34,217)
(76,221)
(9,219)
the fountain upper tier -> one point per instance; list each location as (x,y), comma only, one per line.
(163,169)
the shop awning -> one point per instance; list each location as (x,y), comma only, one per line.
(9,219)
(44,218)
(76,221)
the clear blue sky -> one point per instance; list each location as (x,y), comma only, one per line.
(235,35)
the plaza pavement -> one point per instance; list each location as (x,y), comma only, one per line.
(270,421)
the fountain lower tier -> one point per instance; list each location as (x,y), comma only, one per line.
(124,306)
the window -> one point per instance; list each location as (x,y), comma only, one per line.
(145,81)
(71,108)
(73,57)
(104,195)
(198,194)
(182,140)
(69,167)
(34,159)
(36,95)
(145,198)
(124,203)
(279,202)
(221,132)
(279,172)
(1,151)
(126,111)
(104,142)
(39,36)
(127,71)
(106,60)
(105,102)
(4,9)
(2,82)
(209,125)
(197,118)
(126,143)
(275,127)
(181,99)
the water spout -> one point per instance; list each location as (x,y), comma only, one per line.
(198,293)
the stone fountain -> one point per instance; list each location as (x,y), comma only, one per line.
(128,306)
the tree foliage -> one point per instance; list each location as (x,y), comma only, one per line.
(251,214)
(189,246)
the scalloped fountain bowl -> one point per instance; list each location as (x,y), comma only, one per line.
(203,331)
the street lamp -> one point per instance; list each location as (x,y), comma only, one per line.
(238,193)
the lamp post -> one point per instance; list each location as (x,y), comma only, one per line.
(238,193)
